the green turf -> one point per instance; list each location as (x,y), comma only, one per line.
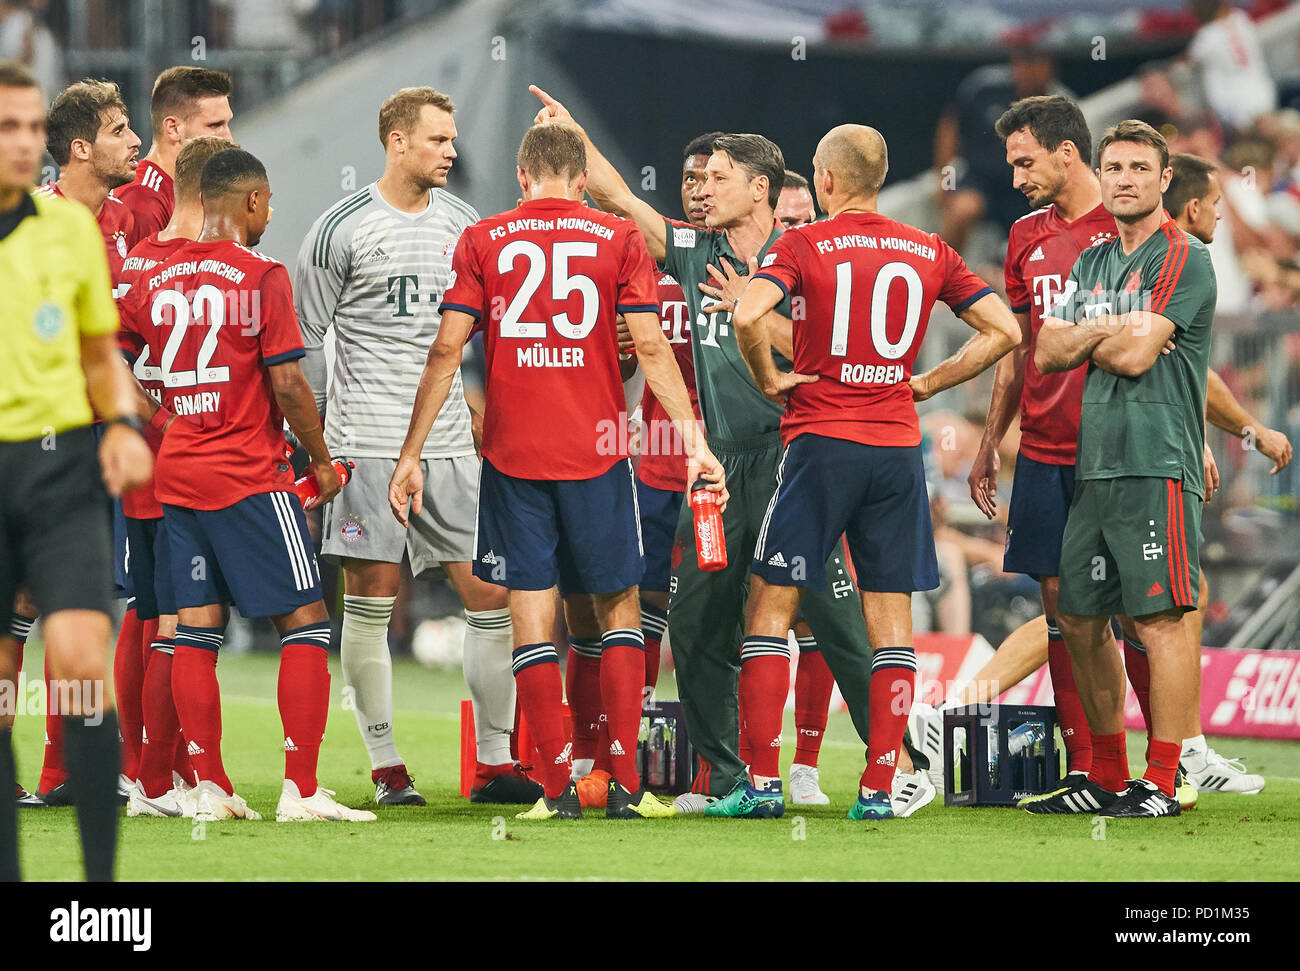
(1225,838)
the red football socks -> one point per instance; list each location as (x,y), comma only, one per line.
(198,700)
(161,725)
(654,624)
(53,771)
(303,693)
(893,681)
(539,690)
(1138,669)
(128,686)
(813,684)
(1109,762)
(582,688)
(764,686)
(1162,764)
(1069,708)
(622,680)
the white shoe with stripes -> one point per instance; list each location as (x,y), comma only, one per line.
(926,726)
(911,791)
(1211,772)
(1077,795)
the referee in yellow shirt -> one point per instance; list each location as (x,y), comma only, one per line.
(57,326)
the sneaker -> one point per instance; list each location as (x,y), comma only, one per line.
(513,786)
(320,805)
(746,802)
(125,787)
(1209,771)
(188,800)
(693,802)
(642,804)
(804,787)
(28,800)
(925,723)
(168,805)
(1184,791)
(212,803)
(565,806)
(593,789)
(395,787)
(1144,800)
(875,806)
(60,795)
(911,791)
(1076,795)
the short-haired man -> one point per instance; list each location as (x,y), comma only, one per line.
(187,101)
(852,461)
(558,503)
(235,528)
(90,138)
(160,768)
(374,267)
(795,205)
(61,359)
(743,180)
(1131,540)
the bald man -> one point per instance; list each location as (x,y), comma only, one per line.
(852,462)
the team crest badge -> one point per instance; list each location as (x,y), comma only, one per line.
(48,321)
(121,243)
(352,528)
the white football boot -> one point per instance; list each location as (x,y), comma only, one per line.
(320,805)
(212,803)
(911,791)
(1211,772)
(805,789)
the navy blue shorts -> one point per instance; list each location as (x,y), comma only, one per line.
(582,535)
(660,510)
(1040,503)
(257,553)
(148,567)
(873,495)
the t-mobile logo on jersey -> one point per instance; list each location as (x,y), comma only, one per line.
(400,295)
(1046,290)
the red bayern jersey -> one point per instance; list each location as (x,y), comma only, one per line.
(545,281)
(141,502)
(151,199)
(663,454)
(867,284)
(216,316)
(1041,251)
(116,225)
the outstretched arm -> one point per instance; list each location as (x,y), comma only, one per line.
(604,184)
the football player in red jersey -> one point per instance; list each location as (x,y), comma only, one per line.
(557,505)
(90,138)
(661,487)
(186,102)
(142,677)
(852,462)
(219,320)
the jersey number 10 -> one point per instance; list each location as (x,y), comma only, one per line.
(885,277)
(209,303)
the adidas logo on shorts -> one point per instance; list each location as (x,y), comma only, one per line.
(776,559)
(490,557)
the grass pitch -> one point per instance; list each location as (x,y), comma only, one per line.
(1226,838)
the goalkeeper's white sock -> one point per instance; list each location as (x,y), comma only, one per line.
(489,639)
(368,674)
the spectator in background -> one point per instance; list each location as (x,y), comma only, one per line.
(25,38)
(795,205)
(1235,77)
(966,129)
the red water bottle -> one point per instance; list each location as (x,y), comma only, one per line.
(308,488)
(710,542)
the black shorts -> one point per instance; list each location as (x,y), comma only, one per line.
(54,524)
(148,568)
(1040,503)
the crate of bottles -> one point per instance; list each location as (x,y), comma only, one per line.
(996,755)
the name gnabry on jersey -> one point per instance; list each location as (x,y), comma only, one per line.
(550,225)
